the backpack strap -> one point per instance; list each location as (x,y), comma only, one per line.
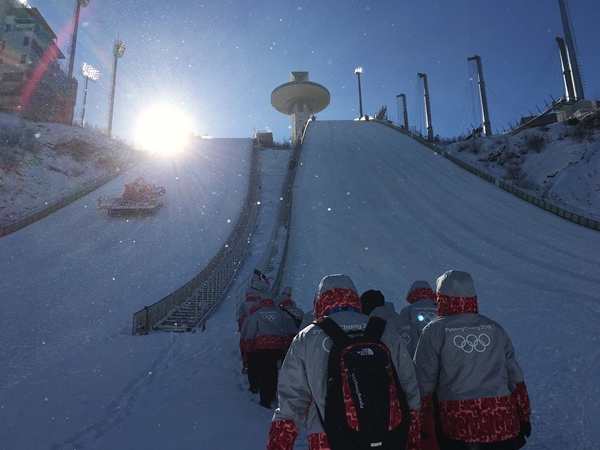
(338,336)
(297,321)
(333,330)
(375,328)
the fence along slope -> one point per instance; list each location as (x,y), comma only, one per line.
(190,305)
(577,217)
(272,262)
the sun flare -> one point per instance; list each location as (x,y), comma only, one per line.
(163,130)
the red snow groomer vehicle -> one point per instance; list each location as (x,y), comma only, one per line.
(139,199)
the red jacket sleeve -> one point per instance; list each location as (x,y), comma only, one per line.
(414,432)
(282,435)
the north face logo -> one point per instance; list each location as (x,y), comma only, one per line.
(365,352)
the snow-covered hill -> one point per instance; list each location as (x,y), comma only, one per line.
(559,162)
(72,376)
(43,162)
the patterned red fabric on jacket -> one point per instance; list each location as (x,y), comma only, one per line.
(426,407)
(267,302)
(395,410)
(480,420)
(336,298)
(414,440)
(318,441)
(268,342)
(419,294)
(521,398)
(449,306)
(282,435)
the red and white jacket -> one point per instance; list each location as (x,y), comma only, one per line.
(264,329)
(303,375)
(421,309)
(469,361)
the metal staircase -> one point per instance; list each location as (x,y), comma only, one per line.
(187,317)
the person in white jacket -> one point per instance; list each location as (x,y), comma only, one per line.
(374,304)
(467,371)
(303,376)
(421,309)
(262,339)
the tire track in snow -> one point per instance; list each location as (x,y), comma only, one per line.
(123,405)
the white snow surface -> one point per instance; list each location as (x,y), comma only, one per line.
(41,163)
(368,201)
(559,162)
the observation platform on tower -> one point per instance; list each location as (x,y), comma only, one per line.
(300,98)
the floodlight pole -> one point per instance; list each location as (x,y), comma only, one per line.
(358,71)
(88,72)
(487,128)
(78,5)
(405,111)
(427,107)
(118,50)
(572,50)
(84,100)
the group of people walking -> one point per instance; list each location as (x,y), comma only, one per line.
(454,382)
(268,324)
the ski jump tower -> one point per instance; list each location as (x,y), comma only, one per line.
(300,99)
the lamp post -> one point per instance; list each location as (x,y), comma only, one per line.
(358,71)
(403,96)
(89,73)
(118,50)
(78,5)
(427,107)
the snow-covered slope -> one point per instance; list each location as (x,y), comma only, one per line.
(368,201)
(41,163)
(559,162)
(71,374)
(374,204)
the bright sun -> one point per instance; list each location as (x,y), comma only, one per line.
(162,129)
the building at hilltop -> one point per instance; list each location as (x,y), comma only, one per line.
(300,98)
(33,84)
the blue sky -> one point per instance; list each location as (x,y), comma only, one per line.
(218,61)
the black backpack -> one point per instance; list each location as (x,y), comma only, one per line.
(364,398)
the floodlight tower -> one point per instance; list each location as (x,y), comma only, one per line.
(427,106)
(571,50)
(487,127)
(300,99)
(403,96)
(358,71)
(118,51)
(78,5)
(89,73)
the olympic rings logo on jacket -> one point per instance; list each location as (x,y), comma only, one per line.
(472,342)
